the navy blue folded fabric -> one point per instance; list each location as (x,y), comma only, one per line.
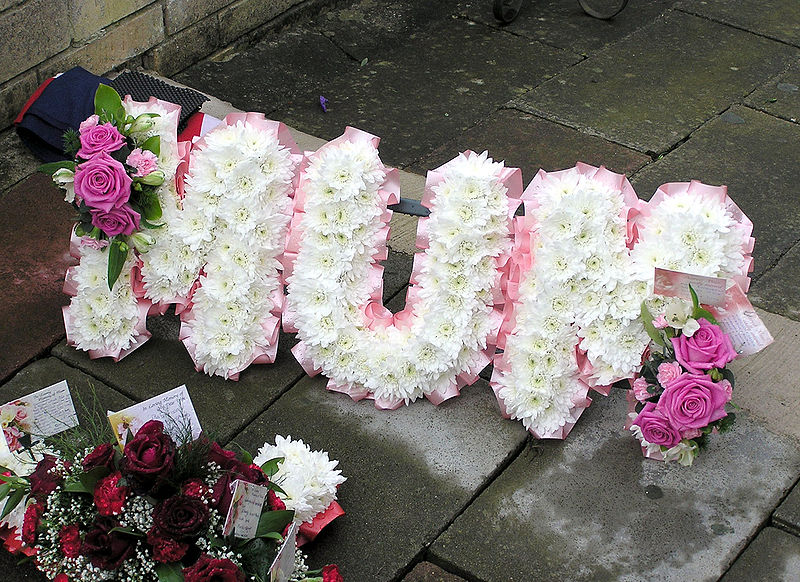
(64,103)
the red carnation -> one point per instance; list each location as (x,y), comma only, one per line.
(275,503)
(195,488)
(61,578)
(30,523)
(109,496)
(331,573)
(165,549)
(70,539)
(208,569)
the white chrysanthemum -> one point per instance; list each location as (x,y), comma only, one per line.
(308,478)
(343,225)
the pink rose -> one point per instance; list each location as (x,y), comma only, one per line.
(640,389)
(667,372)
(693,401)
(144,162)
(708,348)
(691,433)
(99,138)
(13,434)
(656,428)
(124,220)
(101,182)
(728,387)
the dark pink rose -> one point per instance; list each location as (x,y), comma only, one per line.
(122,220)
(101,182)
(46,477)
(148,457)
(180,517)
(656,428)
(693,401)
(101,456)
(98,138)
(708,348)
(104,548)
(208,569)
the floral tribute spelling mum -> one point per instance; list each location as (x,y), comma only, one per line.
(155,512)
(684,385)
(444,336)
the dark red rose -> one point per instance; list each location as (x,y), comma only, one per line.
(61,578)
(330,573)
(101,456)
(45,478)
(208,569)
(33,513)
(148,457)
(70,539)
(165,549)
(106,549)
(224,458)
(180,517)
(109,497)
(275,503)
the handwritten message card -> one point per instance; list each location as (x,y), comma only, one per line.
(245,509)
(36,416)
(174,408)
(283,565)
(710,290)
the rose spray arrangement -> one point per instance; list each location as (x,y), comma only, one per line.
(113,180)
(155,511)
(683,388)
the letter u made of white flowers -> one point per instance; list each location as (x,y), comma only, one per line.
(445,335)
(236,211)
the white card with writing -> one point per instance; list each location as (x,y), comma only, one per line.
(245,510)
(38,415)
(283,564)
(710,290)
(739,320)
(173,408)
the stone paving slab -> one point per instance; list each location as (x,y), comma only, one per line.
(427,572)
(17,162)
(35,223)
(772,18)
(767,383)
(592,508)
(774,556)
(529,142)
(757,157)
(781,96)
(564,24)
(788,513)
(410,471)
(163,363)
(777,289)
(653,88)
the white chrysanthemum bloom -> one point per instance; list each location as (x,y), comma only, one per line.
(308,478)
(343,225)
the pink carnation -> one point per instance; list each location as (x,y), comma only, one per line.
(668,371)
(89,123)
(660,322)
(640,389)
(144,161)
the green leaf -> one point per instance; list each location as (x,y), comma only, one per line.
(273,521)
(14,500)
(725,424)
(647,322)
(153,144)
(271,466)
(727,374)
(172,572)
(695,300)
(4,490)
(127,531)
(273,535)
(53,167)
(150,207)
(117,254)
(700,312)
(77,487)
(277,488)
(108,104)
(147,224)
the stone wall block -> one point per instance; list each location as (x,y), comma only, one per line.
(178,14)
(32,32)
(185,48)
(14,94)
(89,16)
(245,15)
(120,43)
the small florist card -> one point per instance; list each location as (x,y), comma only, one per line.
(38,415)
(710,290)
(173,408)
(739,320)
(245,509)
(283,564)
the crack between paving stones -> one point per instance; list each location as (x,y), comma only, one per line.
(424,553)
(768,522)
(737,27)
(775,261)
